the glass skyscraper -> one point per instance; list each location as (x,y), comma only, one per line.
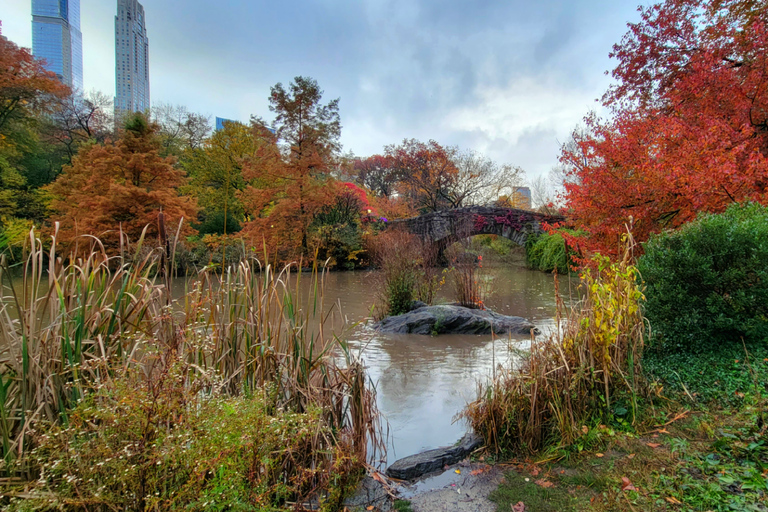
(131,58)
(56,39)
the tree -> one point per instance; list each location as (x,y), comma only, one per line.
(689,127)
(376,173)
(27,91)
(120,186)
(216,175)
(307,132)
(425,173)
(78,119)
(480,180)
(180,129)
(26,87)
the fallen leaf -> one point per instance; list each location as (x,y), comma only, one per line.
(584,429)
(535,471)
(631,456)
(599,455)
(673,500)
(369,507)
(377,476)
(477,471)
(653,445)
(457,471)
(544,483)
(519,507)
(626,485)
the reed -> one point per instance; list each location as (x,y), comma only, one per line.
(586,372)
(73,324)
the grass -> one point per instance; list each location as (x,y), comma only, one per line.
(76,325)
(703,462)
(402,506)
(701,446)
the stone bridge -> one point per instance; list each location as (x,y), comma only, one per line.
(448,226)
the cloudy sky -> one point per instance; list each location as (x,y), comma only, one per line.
(509,78)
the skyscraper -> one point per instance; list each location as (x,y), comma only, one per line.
(131,58)
(56,38)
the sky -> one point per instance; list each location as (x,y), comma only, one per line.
(508,78)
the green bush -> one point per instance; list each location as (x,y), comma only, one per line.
(547,253)
(707,283)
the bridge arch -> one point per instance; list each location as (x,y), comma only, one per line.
(445,227)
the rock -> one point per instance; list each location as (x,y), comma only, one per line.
(417,304)
(430,461)
(369,493)
(454,320)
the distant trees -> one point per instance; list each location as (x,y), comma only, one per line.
(430,177)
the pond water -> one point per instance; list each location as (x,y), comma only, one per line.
(422,382)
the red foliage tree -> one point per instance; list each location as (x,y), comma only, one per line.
(25,85)
(690,122)
(120,186)
(425,172)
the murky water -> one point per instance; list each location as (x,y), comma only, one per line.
(423,381)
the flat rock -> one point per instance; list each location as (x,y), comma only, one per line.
(453,319)
(410,468)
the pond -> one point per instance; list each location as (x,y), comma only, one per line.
(422,382)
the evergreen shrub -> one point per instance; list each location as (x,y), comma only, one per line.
(707,283)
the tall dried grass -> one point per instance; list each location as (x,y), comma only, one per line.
(74,323)
(409,271)
(586,371)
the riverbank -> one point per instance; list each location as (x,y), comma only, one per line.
(702,446)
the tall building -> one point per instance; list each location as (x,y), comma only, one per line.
(56,38)
(131,58)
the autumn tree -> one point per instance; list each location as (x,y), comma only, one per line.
(480,180)
(689,126)
(27,91)
(307,132)
(377,174)
(120,187)
(425,173)
(26,87)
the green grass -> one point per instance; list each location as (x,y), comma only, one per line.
(724,376)
(535,497)
(402,506)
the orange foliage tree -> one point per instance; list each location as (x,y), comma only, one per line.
(689,130)
(120,186)
(299,182)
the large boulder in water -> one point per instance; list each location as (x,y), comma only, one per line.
(450,319)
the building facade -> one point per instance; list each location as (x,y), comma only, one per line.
(131,58)
(57,40)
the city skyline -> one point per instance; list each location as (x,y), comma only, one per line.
(510,79)
(57,40)
(132,93)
